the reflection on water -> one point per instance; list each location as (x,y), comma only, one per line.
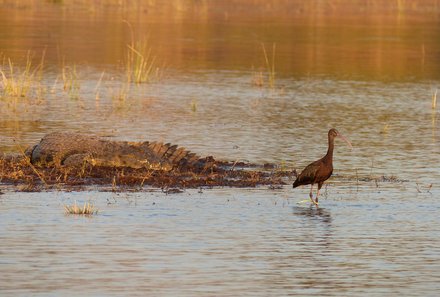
(313,213)
(375,40)
(224,242)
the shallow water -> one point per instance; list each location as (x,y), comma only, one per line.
(370,75)
(253,242)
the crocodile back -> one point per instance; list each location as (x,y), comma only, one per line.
(55,147)
(63,148)
(179,157)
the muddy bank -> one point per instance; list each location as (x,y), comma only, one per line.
(17,171)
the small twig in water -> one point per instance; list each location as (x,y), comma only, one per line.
(429,189)
(233,165)
(418,188)
(357,181)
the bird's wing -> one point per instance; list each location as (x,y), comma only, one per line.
(308,175)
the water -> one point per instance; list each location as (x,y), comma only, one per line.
(255,242)
(370,72)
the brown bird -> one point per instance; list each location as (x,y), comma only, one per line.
(319,171)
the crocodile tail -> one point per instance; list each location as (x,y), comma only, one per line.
(179,157)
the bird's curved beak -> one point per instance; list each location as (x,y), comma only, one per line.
(346,140)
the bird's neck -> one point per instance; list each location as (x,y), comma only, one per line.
(328,158)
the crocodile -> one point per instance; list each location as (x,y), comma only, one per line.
(74,149)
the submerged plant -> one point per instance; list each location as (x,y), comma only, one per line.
(86,209)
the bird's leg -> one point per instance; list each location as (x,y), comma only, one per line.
(317,193)
(316,198)
(311,195)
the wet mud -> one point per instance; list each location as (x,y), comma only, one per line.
(20,173)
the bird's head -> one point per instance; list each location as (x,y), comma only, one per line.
(333,133)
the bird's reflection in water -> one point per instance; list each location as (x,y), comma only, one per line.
(313,229)
(313,212)
(314,221)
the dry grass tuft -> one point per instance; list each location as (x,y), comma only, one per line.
(140,66)
(18,82)
(71,82)
(266,78)
(270,65)
(87,209)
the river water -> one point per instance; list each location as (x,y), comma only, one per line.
(369,71)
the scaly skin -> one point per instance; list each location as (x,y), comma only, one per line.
(72,149)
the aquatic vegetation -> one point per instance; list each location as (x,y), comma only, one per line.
(270,65)
(258,79)
(140,64)
(18,82)
(86,209)
(267,77)
(121,94)
(98,85)
(194,105)
(28,83)
(434,99)
(71,82)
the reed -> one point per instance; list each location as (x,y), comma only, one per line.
(86,209)
(18,83)
(114,186)
(120,94)
(434,99)
(71,82)
(97,93)
(270,65)
(267,77)
(140,64)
